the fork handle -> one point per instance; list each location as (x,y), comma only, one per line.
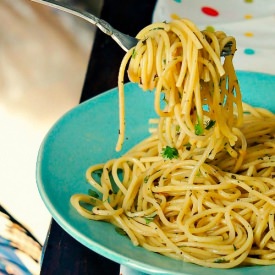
(100,23)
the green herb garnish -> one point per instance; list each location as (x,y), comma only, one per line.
(210,124)
(146,179)
(199,127)
(220,261)
(134,53)
(149,218)
(170,152)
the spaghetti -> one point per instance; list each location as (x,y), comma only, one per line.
(201,187)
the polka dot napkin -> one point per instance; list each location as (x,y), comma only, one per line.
(251,22)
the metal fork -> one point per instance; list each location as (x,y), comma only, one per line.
(126,42)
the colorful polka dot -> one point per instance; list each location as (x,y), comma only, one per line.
(210,11)
(248,16)
(249,34)
(174,16)
(248,21)
(249,51)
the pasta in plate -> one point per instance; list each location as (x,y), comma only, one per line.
(201,187)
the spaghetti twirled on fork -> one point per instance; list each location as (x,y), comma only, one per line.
(201,187)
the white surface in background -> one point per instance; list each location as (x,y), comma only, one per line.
(43,61)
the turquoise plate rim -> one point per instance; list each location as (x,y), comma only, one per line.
(86,135)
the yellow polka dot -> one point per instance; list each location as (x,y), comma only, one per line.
(249,34)
(174,16)
(248,16)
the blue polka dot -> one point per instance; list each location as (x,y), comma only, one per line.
(178,1)
(249,51)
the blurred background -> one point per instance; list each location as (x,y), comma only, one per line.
(43,59)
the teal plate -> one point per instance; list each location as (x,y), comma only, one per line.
(87,135)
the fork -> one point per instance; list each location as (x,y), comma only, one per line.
(126,42)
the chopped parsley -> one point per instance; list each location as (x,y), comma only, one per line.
(146,179)
(169,152)
(149,218)
(134,53)
(220,261)
(210,124)
(198,129)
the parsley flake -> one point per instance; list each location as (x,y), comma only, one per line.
(210,124)
(169,152)
(220,261)
(150,218)
(199,127)
(134,53)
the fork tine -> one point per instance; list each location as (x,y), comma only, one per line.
(227,49)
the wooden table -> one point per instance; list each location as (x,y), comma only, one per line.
(61,253)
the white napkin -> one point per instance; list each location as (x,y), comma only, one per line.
(251,22)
